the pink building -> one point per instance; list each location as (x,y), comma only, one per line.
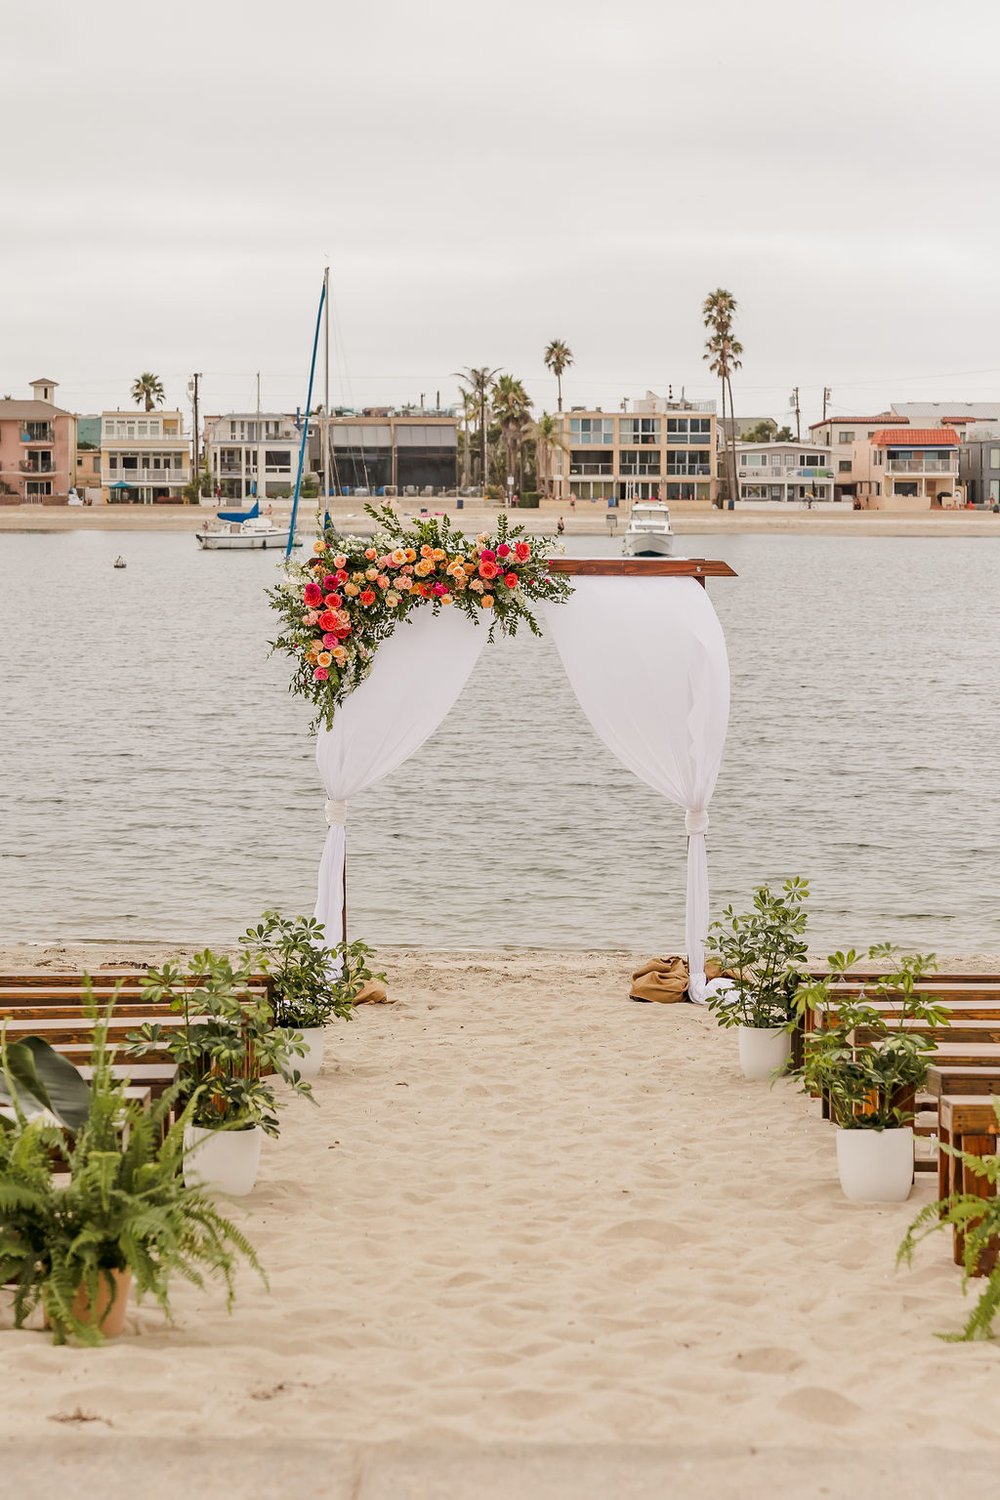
(37,449)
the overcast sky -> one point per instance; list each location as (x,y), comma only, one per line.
(484,178)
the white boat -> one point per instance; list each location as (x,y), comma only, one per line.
(648,532)
(243,530)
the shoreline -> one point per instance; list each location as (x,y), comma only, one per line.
(687,518)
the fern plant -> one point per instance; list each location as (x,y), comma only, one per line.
(312,983)
(762,951)
(123,1205)
(978,1220)
(870,1083)
(228,1041)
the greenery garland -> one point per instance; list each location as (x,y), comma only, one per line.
(337,607)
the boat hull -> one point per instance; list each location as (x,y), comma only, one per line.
(648,544)
(213,541)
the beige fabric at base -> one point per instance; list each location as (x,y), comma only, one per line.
(665,980)
(373,993)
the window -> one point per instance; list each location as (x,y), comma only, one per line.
(994,491)
(598,431)
(113,463)
(638,430)
(845,437)
(995,458)
(142,429)
(844,466)
(38,487)
(277,458)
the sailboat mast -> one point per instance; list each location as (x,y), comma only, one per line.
(326,395)
(261,486)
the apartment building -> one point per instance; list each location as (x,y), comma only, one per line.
(784,473)
(382,450)
(659,449)
(979,466)
(252,454)
(145,456)
(918,467)
(37,449)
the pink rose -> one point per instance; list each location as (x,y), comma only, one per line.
(488,555)
(321,674)
(313,594)
(329,639)
(439,589)
(329,583)
(503,550)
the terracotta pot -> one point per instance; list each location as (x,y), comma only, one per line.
(112,1304)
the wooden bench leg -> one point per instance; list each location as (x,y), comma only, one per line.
(966,1181)
(945,1164)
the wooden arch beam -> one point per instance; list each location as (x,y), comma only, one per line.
(643,567)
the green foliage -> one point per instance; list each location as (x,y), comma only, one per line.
(229,1038)
(313,984)
(763,432)
(763,951)
(528,501)
(123,1204)
(38,1083)
(978,1220)
(868,1082)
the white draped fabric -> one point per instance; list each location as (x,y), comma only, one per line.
(646,658)
(416,677)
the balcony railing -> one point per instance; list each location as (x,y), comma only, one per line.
(44,436)
(776,476)
(640,469)
(150,476)
(923,465)
(680,471)
(576,470)
(27,467)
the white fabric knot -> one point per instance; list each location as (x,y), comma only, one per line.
(695,821)
(336,814)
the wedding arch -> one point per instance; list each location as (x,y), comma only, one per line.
(639,641)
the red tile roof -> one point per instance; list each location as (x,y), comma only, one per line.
(916,437)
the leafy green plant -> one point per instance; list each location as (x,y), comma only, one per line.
(228,1041)
(123,1205)
(870,1083)
(312,984)
(978,1220)
(762,951)
(42,1085)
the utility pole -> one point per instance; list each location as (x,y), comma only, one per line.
(793,402)
(827,399)
(196,476)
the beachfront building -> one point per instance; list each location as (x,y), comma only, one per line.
(654,449)
(784,473)
(381,450)
(849,440)
(979,466)
(252,454)
(918,467)
(145,457)
(37,449)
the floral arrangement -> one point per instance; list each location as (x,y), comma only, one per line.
(349,596)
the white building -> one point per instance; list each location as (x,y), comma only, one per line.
(784,473)
(145,456)
(252,454)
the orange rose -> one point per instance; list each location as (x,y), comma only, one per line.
(411,556)
(324,658)
(487,601)
(351,589)
(371,554)
(426,551)
(368,598)
(488,570)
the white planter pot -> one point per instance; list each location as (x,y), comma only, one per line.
(222,1161)
(876,1166)
(763,1049)
(309,1065)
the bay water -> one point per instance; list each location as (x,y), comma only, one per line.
(158,781)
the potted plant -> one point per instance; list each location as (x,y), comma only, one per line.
(228,1041)
(93,1198)
(978,1221)
(312,984)
(868,1065)
(761,951)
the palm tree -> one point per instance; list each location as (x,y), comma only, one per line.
(546,435)
(558,357)
(470,410)
(722,351)
(511,409)
(480,384)
(148,390)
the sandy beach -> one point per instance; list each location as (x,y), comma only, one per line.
(537,1240)
(686,518)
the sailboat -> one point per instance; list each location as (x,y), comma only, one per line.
(240,531)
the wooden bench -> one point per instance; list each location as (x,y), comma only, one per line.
(154,1077)
(968,1123)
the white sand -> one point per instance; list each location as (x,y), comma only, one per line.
(537,1240)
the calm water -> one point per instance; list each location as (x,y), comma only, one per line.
(158,780)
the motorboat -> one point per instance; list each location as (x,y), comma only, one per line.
(648,532)
(239,531)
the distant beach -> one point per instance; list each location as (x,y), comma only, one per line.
(588,519)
